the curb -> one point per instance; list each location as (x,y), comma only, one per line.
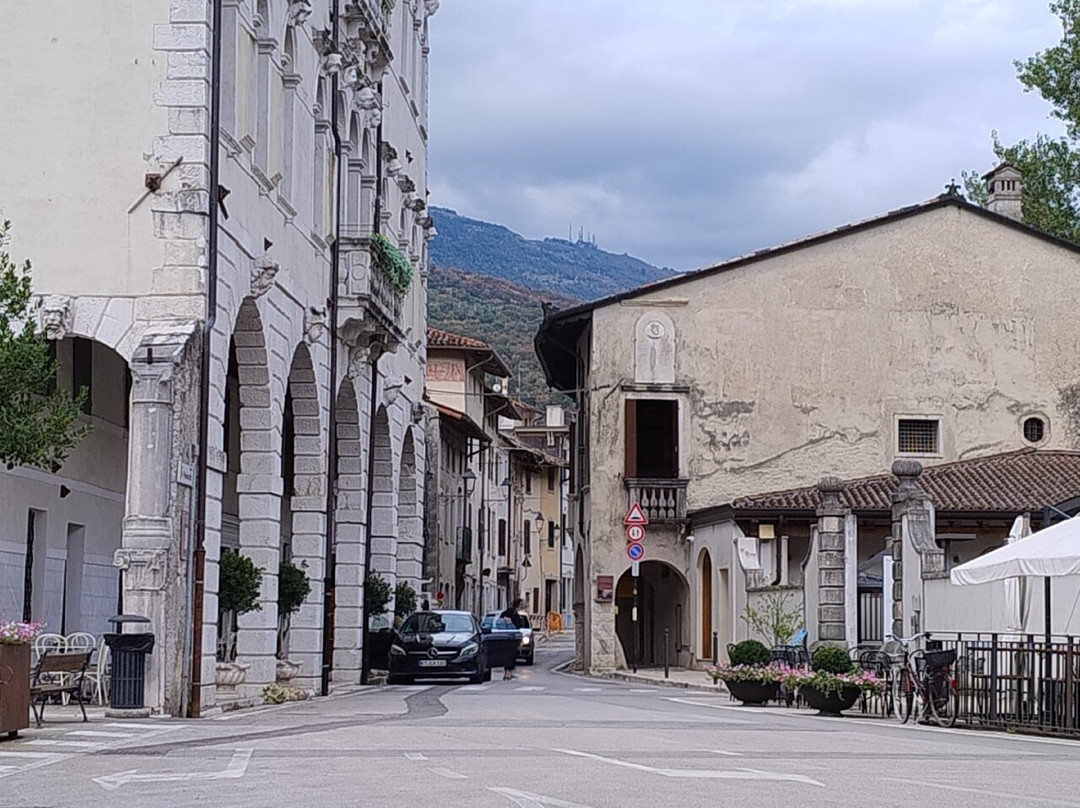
(637,678)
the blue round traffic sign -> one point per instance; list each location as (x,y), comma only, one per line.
(635,550)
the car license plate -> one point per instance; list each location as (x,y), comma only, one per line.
(432,663)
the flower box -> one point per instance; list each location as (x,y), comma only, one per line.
(753,692)
(832,701)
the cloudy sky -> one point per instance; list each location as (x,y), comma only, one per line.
(688,131)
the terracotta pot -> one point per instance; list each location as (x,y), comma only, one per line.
(230,674)
(14,688)
(753,692)
(287,670)
(832,703)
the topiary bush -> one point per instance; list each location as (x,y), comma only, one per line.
(749,652)
(239,582)
(378,595)
(830,659)
(404,599)
(293,587)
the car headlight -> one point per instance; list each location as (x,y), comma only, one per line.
(526,640)
(468,651)
(397,650)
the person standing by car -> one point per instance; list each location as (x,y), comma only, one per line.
(512,615)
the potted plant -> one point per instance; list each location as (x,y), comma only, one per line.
(238,593)
(15,641)
(749,675)
(377,596)
(834,682)
(293,588)
(404,600)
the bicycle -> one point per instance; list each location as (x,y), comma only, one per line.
(922,684)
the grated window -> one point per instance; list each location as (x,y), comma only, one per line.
(1034,430)
(918,436)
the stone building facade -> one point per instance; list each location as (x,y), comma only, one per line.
(236,234)
(937,333)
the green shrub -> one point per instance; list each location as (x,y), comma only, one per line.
(293,587)
(830,659)
(239,582)
(404,599)
(377,596)
(749,652)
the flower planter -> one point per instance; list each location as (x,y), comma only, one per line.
(753,692)
(832,703)
(286,670)
(14,688)
(230,674)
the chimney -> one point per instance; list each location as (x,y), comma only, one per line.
(1004,184)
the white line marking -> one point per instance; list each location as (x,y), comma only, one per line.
(529,689)
(524,799)
(475,688)
(449,774)
(143,726)
(414,756)
(590,689)
(79,744)
(727,754)
(237,768)
(90,733)
(32,754)
(997,795)
(642,690)
(698,774)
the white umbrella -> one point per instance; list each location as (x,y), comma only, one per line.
(1049,553)
(1017,593)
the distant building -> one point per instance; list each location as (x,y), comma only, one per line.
(939,332)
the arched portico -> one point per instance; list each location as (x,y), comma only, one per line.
(661,600)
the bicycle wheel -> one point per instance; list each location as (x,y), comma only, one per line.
(903,696)
(945,703)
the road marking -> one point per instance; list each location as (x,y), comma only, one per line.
(698,774)
(449,774)
(475,688)
(31,754)
(415,756)
(997,795)
(696,703)
(728,754)
(642,690)
(143,726)
(529,689)
(79,744)
(590,689)
(90,733)
(237,768)
(524,799)
(36,761)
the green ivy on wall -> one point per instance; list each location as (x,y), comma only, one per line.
(393,262)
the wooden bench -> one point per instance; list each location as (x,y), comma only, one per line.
(58,674)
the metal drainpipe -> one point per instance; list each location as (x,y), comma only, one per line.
(199,579)
(329,558)
(375,355)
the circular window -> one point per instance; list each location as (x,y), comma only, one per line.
(1034,430)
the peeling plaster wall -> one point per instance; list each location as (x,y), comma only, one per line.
(798,366)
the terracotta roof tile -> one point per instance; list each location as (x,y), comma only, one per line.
(1013,482)
(438,338)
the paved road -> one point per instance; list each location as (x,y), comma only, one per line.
(544,739)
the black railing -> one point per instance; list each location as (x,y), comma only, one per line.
(1016,682)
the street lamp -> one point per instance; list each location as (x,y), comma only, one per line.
(468,481)
(540,554)
(509,486)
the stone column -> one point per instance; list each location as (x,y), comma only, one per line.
(832,578)
(911,529)
(148,555)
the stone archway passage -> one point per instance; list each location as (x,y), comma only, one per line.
(410,539)
(384,502)
(348,539)
(661,600)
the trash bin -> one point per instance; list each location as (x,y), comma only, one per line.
(126,690)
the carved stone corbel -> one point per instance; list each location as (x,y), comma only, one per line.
(314,323)
(262,275)
(299,11)
(56,317)
(144,570)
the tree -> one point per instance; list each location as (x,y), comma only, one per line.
(39,424)
(1050,198)
(774,619)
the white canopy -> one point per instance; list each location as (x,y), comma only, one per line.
(1049,553)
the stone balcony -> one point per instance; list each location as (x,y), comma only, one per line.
(368,303)
(663,500)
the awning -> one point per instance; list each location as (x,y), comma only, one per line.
(463,422)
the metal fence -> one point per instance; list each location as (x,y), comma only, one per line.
(1010,681)
(871,615)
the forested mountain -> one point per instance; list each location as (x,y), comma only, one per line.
(488,282)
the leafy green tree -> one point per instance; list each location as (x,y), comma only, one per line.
(1050,199)
(39,424)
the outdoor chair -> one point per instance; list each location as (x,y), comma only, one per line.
(97,675)
(58,674)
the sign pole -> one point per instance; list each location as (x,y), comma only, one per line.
(635,624)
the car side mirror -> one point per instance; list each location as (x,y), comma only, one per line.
(485,629)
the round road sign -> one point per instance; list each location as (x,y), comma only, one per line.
(635,533)
(635,550)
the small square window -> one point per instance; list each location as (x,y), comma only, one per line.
(918,436)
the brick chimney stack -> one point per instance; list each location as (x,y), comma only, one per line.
(1005,184)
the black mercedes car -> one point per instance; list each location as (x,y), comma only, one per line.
(447,644)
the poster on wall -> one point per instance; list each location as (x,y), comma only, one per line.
(605,588)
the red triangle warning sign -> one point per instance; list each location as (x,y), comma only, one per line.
(635,516)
